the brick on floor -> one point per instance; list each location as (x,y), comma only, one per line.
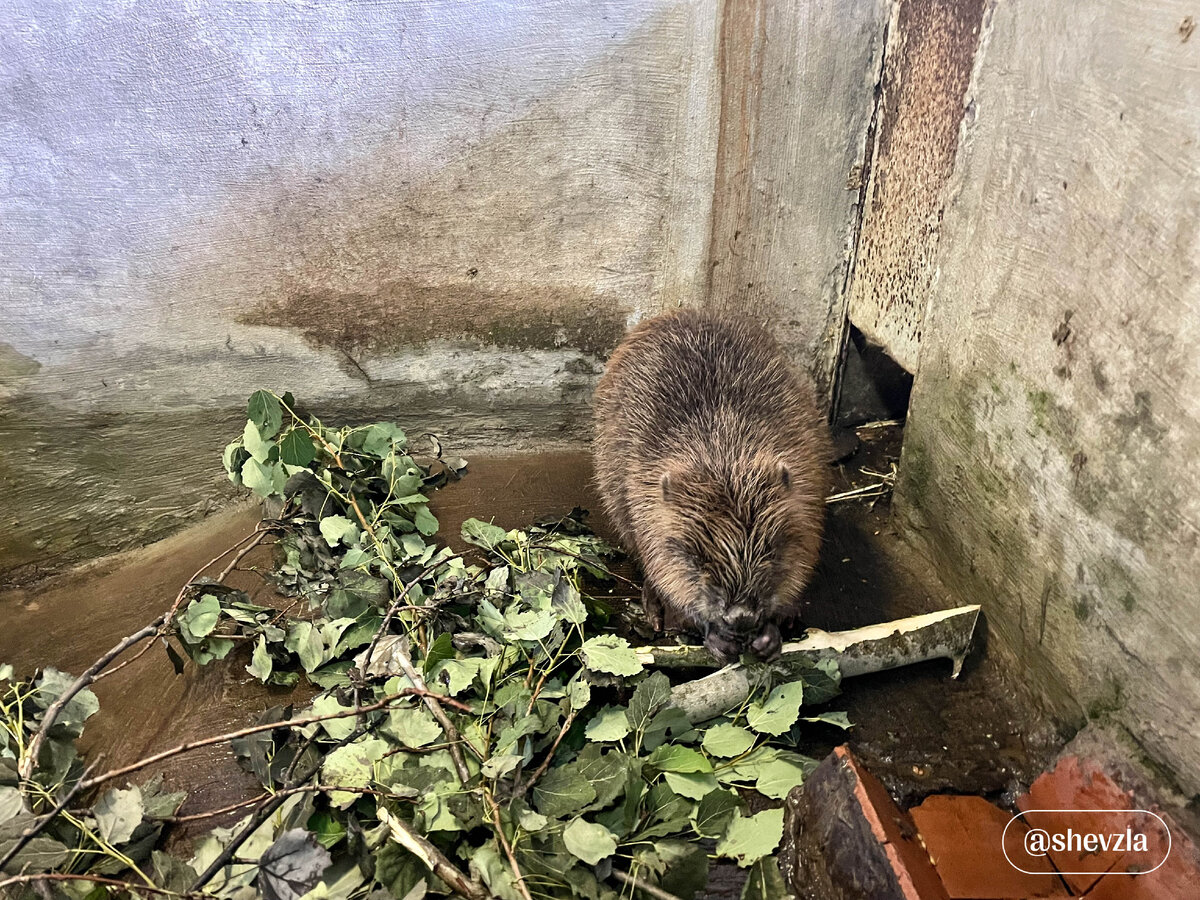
(966,840)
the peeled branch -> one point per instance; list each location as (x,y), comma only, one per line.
(940,635)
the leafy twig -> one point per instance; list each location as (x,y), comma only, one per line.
(29,761)
(541,770)
(43,821)
(252,729)
(434,703)
(634,882)
(505,845)
(433,858)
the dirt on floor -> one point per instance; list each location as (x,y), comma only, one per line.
(917,729)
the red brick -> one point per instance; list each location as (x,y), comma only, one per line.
(844,838)
(1077,785)
(963,836)
(1178,878)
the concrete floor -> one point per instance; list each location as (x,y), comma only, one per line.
(916,729)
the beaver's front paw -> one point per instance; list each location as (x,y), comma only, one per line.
(768,643)
(724,646)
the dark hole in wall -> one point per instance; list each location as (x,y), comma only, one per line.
(873,386)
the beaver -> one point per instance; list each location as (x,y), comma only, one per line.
(712,463)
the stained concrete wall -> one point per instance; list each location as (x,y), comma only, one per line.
(1049,464)
(445,213)
(797,97)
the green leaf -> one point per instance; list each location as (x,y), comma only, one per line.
(780,711)
(339,529)
(714,813)
(670,723)
(610,724)
(414,727)
(651,695)
(118,814)
(351,766)
(529,625)
(456,674)
(338,729)
(822,681)
(568,603)
(695,785)
(297,448)
(265,412)
(256,445)
(425,521)
(307,643)
(41,854)
(840,719)
(589,841)
(562,790)
(499,766)
(10,803)
(488,863)
(265,479)
(200,618)
(672,758)
(765,882)
(727,740)
(260,661)
(482,534)
(610,654)
(531,821)
(607,773)
(779,777)
(52,685)
(579,694)
(441,648)
(750,839)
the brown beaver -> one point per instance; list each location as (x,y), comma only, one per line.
(713,464)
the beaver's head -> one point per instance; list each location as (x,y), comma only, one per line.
(724,553)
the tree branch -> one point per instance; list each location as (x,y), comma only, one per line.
(433,858)
(243,732)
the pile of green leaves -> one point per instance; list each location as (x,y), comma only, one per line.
(577,765)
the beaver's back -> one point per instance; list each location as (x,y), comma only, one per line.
(693,385)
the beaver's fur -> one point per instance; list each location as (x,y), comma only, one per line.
(713,465)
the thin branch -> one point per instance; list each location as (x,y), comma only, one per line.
(38,827)
(541,770)
(244,732)
(29,760)
(507,847)
(433,858)
(242,804)
(634,882)
(433,702)
(261,815)
(264,812)
(94,879)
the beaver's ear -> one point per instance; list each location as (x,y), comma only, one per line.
(785,475)
(665,484)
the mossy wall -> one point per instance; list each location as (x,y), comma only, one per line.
(1050,458)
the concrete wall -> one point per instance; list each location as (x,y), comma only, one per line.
(797,97)
(1049,464)
(441,212)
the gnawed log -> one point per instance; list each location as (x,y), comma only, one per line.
(939,635)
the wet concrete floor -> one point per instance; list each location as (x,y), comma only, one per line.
(917,729)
